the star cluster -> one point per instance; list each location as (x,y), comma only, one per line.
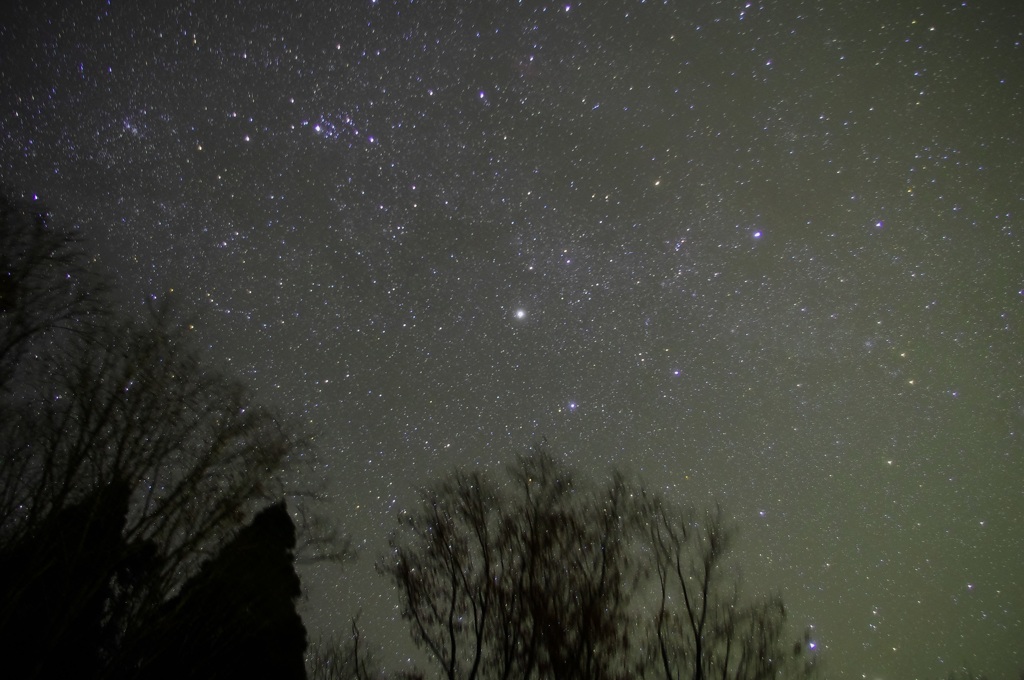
(764,253)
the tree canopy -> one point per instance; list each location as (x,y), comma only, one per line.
(541,576)
(127,462)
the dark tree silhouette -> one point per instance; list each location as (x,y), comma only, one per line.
(47,289)
(543,577)
(444,573)
(95,407)
(565,581)
(57,583)
(529,581)
(236,617)
(346,659)
(702,629)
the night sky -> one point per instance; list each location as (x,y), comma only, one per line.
(764,253)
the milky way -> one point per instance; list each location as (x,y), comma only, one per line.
(767,254)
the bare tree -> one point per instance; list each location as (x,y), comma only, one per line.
(444,571)
(47,289)
(544,577)
(530,581)
(564,551)
(195,447)
(89,400)
(702,628)
(341,659)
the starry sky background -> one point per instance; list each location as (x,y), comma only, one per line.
(765,253)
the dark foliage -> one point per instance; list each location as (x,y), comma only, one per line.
(236,617)
(57,588)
